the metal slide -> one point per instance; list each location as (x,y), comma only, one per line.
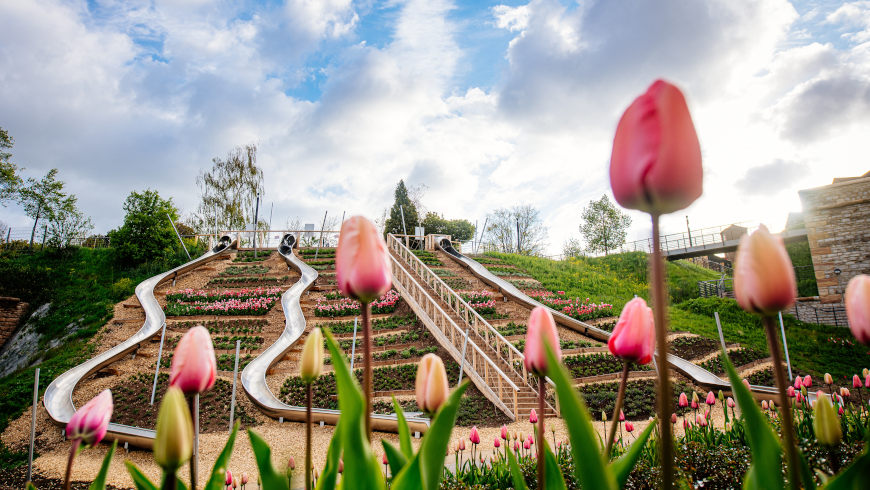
(58,396)
(254,374)
(697,374)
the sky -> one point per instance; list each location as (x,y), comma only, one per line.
(487,104)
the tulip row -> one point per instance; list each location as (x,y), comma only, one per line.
(229,307)
(389,323)
(237,270)
(251,256)
(348,307)
(692,347)
(236,280)
(225,326)
(204,295)
(508,271)
(399,338)
(739,357)
(582,366)
(412,352)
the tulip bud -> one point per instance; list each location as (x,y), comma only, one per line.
(474,436)
(656,161)
(826,424)
(516,446)
(731,403)
(603,416)
(798,382)
(541,328)
(686,424)
(362,263)
(527,445)
(194,366)
(629,427)
(531,439)
(865,372)
(496,442)
(235,483)
(856,381)
(770,404)
(840,410)
(291,464)
(808,381)
(384,459)
(244,478)
(462,444)
(803,391)
(533,417)
(695,401)
(746,384)
(858,307)
(90,422)
(173,443)
(341,465)
(684,400)
(633,337)
(790,391)
(764,404)
(867,381)
(431,384)
(504,432)
(229,479)
(673,418)
(311,363)
(845,391)
(829,380)
(700,420)
(621,416)
(711,398)
(721,396)
(764,280)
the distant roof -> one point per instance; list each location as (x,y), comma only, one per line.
(837,180)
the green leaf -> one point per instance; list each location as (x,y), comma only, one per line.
(404,432)
(854,476)
(329,477)
(29,486)
(425,470)
(516,472)
(395,457)
(139,479)
(179,485)
(552,473)
(622,467)
(589,466)
(99,482)
(269,476)
(361,470)
(766,469)
(219,470)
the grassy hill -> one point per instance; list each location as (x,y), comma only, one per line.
(814,349)
(614,278)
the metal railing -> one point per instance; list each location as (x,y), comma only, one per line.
(486,375)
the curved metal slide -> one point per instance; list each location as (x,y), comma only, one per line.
(58,396)
(697,374)
(254,375)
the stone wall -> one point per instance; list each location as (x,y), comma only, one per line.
(837,218)
(12,311)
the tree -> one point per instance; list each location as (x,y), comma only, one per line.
(572,248)
(517,230)
(147,233)
(459,229)
(68,223)
(604,226)
(228,192)
(41,198)
(394,222)
(9,179)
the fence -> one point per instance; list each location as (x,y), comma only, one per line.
(21,236)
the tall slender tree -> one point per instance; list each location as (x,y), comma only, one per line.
(9,178)
(228,191)
(41,199)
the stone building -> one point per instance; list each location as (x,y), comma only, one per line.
(837,219)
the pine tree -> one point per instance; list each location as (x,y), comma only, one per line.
(394,222)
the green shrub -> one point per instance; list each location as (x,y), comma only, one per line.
(122,288)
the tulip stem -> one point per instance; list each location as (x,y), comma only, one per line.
(620,398)
(69,464)
(308,437)
(367,369)
(193,403)
(665,397)
(770,329)
(542,390)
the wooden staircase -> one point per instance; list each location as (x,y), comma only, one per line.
(490,361)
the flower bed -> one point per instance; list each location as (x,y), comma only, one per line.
(443,272)
(225,362)
(210,295)
(246,280)
(428,258)
(348,307)
(692,347)
(511,329)
(313,263)
(738,357)
(380,341)
(564,344)
(225,326)
(507,271)
(248,256)
(597,364)
(319,252)
(639,402)
(255,301)
(394,354)
(524,284)
(481,301)
(456,283)
(236,270)
(390,323)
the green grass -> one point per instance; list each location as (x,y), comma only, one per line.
(614,279)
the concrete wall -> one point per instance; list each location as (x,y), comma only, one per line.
(11,312)
(837,218)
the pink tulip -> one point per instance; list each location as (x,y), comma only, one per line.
(764,280)
(856,381)
(656,161)
(621,416)
(684,400)
(840,410)
(474,436)
(235,483)
(194,366)
(496,442)
(858,307)
(686,424)
(541,328)
(533,417)
(695,404)
(702,421)
(340,465)
(746,384)
(633,337)
(291,463)
(798,382)
(867,381)
(244,478)
(629,427)
(711,398)
(90,422)
(384,459)
(527,445)
(362,263)
(845,391)
(229,480)
(517,446)
(790,391)
(462,444)
(504,432)
(808,381)
(431,384)
(730,402)
(764,404)
(829,380)
(673,418)
(530,440)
